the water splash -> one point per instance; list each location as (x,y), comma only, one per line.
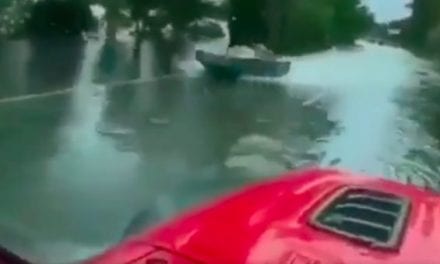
(357,89)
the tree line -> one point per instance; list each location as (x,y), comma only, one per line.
(296,26)
(421,30)
(285,26)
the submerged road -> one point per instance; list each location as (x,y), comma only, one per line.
(80,158)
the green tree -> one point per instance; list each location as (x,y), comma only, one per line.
(350,20)
(113,15)
(433,40)
(178,13)
(193,9)
(138,10)
(52,17)
(425,17)
(13,16)
(306,28)
(247,23)
(4,4)
(295,26)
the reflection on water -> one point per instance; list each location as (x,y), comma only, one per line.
(116,62)
(36,66)
(91,160)
(14,56)
(53,64)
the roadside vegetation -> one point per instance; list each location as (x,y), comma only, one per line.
(423,30)
(284,26)
(298,26)
(420,31)
(14,15)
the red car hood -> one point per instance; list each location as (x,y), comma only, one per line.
(269,223)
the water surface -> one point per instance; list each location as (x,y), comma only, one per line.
(78,166)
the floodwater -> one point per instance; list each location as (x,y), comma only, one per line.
(84,148)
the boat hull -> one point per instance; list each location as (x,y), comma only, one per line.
(234,67)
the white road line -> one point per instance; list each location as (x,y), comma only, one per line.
(34,96)
(69,90)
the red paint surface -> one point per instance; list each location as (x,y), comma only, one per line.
(269,224)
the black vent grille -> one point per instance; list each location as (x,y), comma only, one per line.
(371,217)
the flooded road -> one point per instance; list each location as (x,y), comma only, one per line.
(77,166)
(363,91)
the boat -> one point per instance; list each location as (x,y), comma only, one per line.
(232,67)
(324,216)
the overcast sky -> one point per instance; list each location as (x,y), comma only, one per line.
(387,10)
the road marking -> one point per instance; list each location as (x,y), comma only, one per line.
(119,84)
(34,96)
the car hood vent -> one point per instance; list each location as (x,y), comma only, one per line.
(371,217)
